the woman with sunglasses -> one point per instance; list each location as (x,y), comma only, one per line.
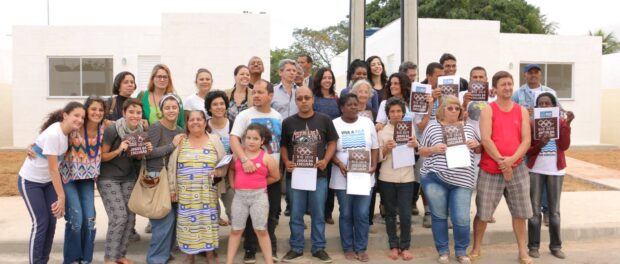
(448,188)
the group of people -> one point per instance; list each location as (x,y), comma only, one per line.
(261,125)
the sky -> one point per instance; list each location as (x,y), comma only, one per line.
(573,17)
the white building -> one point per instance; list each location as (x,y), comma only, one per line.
(571,64)
(53,65)
(610,116)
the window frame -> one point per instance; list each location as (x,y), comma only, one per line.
(81,57)
(545,71)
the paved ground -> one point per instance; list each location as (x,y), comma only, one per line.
(585,216)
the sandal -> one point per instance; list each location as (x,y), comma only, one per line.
(350,255)
(394,253)
(406,255)
(526,260)
(363,256)
(474,257)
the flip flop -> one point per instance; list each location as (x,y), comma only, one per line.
(406,255)
(526,260)
(394,255)
(474,257)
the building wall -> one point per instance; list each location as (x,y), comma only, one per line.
(32,45)
(185,42)
(6,120)
(218,42)
(585,55)
(610,112)
(480,43)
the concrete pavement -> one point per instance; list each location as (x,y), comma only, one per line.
(585,215)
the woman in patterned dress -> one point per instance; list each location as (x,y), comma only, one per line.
(194,180)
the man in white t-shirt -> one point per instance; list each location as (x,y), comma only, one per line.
(526,95)
(260,113)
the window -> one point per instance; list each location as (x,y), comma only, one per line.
(77,76)
(558,76)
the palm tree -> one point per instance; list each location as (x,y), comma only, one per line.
(610,43)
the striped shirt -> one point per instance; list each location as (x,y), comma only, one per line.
(461,177)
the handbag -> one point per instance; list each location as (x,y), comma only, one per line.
(152,202)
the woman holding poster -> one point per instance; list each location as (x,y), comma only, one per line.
(447,186)
(355,134)
(547,163)
(396,180)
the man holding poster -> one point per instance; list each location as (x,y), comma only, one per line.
(307,145)
(505,132)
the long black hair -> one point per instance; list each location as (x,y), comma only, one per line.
(57,116)
(318,77)
(116,86)
(89,101)
(384,77)
(405,86)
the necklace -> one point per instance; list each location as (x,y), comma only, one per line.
(96,146)
(159,114)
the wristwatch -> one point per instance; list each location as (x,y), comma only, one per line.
(243,160)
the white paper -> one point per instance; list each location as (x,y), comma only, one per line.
(458,156)
(304,179)
(224,161)
(358,183)
(451,79)
(403,156)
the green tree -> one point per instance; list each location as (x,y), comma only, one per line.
(610,43)
(277,55)
(322,44)
(515,16)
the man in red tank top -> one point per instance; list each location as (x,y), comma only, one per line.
(505,134)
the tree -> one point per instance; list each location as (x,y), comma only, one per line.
(515,16)
(277,55)
(322,44)
(610,43)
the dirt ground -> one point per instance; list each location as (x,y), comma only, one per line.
(11,162)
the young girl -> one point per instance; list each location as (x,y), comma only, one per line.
(251,191)
(39,180)
(79,170)
(547,163)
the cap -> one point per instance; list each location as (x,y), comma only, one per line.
(532,66)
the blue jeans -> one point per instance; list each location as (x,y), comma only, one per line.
(80,216)
(353,220)
(163,237)
(443,197)
(316,201)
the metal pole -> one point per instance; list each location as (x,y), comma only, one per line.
(409,30)
(357,28)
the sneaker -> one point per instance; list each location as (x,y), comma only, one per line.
(292,256)
(249,257)
(534,253)
(322,256)
(443,259)
(558,254)
(427,221)
(134,237)
(147,229)
(274,256)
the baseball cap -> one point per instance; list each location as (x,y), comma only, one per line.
(532,66)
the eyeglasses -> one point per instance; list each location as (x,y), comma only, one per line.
(301,98)
(453,108)
(161,77)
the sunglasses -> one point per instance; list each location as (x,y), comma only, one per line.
(453,108)
(301,98)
